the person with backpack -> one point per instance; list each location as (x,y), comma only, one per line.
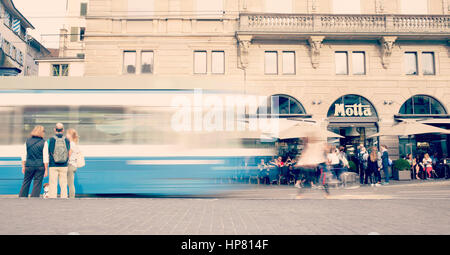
(362,161)
(34,162)
(59,153)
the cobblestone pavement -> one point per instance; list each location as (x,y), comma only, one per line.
(417,208)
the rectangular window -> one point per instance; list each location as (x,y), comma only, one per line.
(414,6)
(129,62)
(359,63)
(60,70)
(428,63)
(200,62)
(218,62)
(279,6)
(74,34)
(82,32)
(410,63)
(147,62)
(83,9)
(271,62)
(288,62)
(341,61)
(347,6)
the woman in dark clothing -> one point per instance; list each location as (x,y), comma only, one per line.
(34,162)
(372,167)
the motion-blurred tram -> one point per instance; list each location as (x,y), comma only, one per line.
(141,141)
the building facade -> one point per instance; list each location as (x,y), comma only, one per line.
(18,50)
(70,60)
(356,66)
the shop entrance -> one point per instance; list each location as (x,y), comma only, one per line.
(355,118)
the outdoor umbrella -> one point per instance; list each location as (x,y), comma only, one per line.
(407,128)
(303,129)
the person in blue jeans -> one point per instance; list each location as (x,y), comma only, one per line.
(385,163)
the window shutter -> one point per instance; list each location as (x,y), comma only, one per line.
(74,34)
(83,9)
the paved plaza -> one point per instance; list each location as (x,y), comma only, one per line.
(405,208)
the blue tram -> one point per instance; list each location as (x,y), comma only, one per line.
(155,142)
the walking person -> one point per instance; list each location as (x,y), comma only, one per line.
(311,158)
(59,154)
(73,137)
(385,163)
(34,162)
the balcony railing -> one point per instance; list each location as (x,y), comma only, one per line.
(326,23)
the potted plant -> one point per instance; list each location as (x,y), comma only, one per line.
(402,170)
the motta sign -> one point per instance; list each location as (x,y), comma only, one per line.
(354,110)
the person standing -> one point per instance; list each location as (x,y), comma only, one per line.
(333,160)
(362,161)
(372,167)
(59,154)
(34,162)
(73,137)
(428,163)
(385,163)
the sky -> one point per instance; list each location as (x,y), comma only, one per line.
(46,16)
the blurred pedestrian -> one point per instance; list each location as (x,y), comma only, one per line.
(333,159)
(59,154)
(311,158)
(34,162)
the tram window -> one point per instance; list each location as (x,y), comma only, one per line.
(46,116)
(103,125)
(7,125)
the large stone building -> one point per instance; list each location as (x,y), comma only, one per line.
(18,50)
(357,66)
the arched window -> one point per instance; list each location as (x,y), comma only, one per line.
(287,105)
(422,104)
(349,106)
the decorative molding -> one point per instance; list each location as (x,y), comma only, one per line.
(244,42)
(387,45)
(379,6)
(315,43)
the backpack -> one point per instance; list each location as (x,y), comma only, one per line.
(60,153)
